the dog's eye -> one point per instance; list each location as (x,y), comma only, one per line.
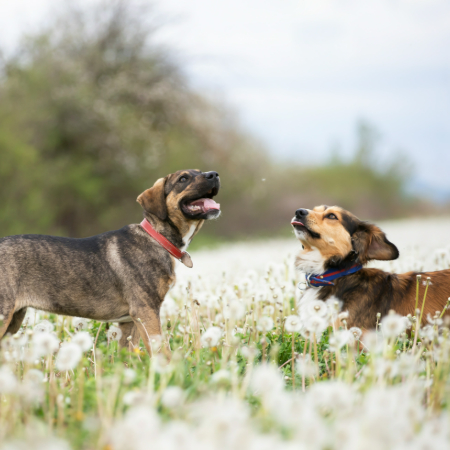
(182,179)
(332,216)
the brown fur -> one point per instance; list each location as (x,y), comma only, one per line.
(345,241)
(120,275)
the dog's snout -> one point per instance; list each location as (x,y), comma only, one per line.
(301,213)
(211,175)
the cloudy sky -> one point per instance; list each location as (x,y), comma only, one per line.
(301,73)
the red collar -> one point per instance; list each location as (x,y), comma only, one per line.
(184,257)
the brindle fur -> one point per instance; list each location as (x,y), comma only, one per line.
(369,291)
(120,275)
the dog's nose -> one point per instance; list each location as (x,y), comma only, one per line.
(301,213)
(211,175)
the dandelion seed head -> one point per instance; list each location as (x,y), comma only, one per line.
(43,326)
(84,340)
(80,323)
(44,343)
(265,324)
(8,381)
(172,397)
(211,337)
(69,356)
(292,324)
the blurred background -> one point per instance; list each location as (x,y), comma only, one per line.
(294,103)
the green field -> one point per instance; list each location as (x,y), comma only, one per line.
(228,380)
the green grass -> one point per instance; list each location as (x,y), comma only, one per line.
(86,405)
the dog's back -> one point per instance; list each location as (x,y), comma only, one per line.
(438,292)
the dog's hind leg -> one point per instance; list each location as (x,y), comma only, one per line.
(6,316)
(129,329)
(16,321)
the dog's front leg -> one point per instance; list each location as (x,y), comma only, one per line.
(129,330)
(148,324)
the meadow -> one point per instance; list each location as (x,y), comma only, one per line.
(239,366)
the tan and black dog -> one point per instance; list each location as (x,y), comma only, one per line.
(119,276)
(337,245)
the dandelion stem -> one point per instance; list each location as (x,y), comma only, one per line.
(305,345)
(293,363)
(418,277)
(424,298)
(316,356)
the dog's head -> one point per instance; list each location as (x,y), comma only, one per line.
(335,238)
(184,198)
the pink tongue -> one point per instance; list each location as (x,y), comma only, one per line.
(210,204)
(207,204)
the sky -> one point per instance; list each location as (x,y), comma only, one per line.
(300,74)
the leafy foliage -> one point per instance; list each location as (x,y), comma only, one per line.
(93,111)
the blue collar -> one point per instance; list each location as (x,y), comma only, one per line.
(330,275)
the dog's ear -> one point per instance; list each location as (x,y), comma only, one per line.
(153,200)
(371,243)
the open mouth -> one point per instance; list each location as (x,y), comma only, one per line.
(202,205)
(300,226)
(297,223)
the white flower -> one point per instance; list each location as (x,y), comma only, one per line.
(292,324)
(210,338)
(31,317)
(44,343)
(334,306)
(249,352)
(332,397)
(44,326)
(427,332)
(245,284)
(184,329)
(392,325)
(316,325)
(357,332)
(172,397)
(79,323)
(19,339)
(35,376)
(373,341)
(316,308)
(266,380)
(114,333)
(261,295)
(129,375)
(35,442)
(134,398)
(84,340)
(265,324)
(406,365)
(168,308)
(8,381)
(340,338)
(235,310)
(305,366)
(160,363)
(432,321)
(221,376)
(69,356)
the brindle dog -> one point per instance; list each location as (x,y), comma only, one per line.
(119,276)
